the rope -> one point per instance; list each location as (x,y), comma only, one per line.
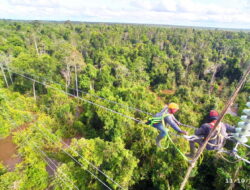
(202,147)
(188,126)
(243,159)
(245,145)
(164,125)
(220,155)
(176,147)
(201,159)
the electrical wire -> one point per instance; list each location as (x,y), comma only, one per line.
(25,142)
(80,90)
(51,167)
(75,160)
(26,138)
(111,101)
(88,101)
(129,117)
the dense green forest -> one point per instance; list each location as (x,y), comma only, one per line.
(128,66)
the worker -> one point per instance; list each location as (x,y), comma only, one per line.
(217,141)
(165,116)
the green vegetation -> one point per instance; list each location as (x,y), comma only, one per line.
(137,66)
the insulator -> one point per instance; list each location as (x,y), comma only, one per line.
(245,133)
(238,130)
(248,104)
(245,118)
(246,111)
(241,139)
(242,124)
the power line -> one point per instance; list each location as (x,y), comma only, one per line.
(51,167)
(108,109)
(245,145)
(96,96)
(137,120)
(93,165)
(25,142)
(88,101)
(129,117)
(76,160)
(231,138)
(26,138)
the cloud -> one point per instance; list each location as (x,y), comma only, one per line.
(165,6)
(224,13)
(35,3)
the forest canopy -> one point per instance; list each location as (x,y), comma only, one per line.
(120,67)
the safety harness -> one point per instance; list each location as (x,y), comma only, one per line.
(217,136)
(159,119)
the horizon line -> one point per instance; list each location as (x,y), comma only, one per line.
(131,23)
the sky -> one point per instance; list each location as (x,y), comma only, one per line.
(205,13)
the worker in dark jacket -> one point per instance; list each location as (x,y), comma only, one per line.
(166,116)
(217,140)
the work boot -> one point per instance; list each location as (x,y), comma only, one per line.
(158,139)
(190,155)
(192,150)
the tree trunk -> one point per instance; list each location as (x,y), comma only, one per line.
(212,80)
(6,81)
(36,45)
(10,75)
(76,81)
(186,74)
(67,77)
(34,89)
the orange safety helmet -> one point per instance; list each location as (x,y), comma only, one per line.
(173,106)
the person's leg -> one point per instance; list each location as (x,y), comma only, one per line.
(192,147)
(163,133)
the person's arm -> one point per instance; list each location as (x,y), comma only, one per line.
(230,129)
(202,131)
(176,121)
(171,122)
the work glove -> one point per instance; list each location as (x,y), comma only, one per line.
(184,132)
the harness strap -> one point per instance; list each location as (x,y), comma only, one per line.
(155,120)
(163,123)
(218,135)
